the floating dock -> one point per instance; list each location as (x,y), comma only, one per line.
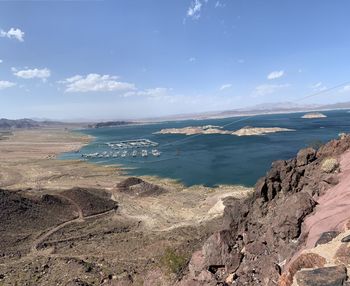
(137,143)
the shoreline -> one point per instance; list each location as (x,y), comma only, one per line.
(30,162)
(124,169)
(178,218)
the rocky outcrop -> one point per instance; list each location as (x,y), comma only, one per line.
(259,235)
(137,187)
(327,276)
(90,201)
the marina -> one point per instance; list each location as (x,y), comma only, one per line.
(123,154)
(126,148)
(129,144)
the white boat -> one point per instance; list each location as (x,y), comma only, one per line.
(155,153)
(144,153)
(134,153)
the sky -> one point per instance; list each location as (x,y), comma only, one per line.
(128,59)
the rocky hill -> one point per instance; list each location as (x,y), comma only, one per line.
(19,123)
(23,216)
(265,240)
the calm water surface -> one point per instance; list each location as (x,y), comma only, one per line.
(217,159)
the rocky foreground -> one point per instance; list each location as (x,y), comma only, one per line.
(293,231)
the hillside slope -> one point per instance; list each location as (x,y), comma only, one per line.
(264,240)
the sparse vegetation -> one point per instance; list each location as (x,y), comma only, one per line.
(329,165)
(173,261)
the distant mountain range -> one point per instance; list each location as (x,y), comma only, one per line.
(265,108)
(26,123)
(19,123)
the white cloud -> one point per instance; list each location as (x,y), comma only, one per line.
(241,61)
(1,61)
(13,34)
(32,73)
(275,74)
(265,89)
(96,82)
(192,59)
(225,86)
(218,4)
(158,92)
(346,88)
(317,87)
(6,84)
(195,9)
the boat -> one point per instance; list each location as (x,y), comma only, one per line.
(134,153)
(155,153)
(144,153)
(137,143)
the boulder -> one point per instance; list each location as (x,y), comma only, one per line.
(346,239)
(343,254)
(326,276)
(305,156)
(327,237)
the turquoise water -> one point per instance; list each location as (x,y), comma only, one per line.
(217,159)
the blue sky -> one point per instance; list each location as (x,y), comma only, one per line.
(117,59)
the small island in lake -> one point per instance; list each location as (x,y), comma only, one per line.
(209,129)
(312,115)
(249,131)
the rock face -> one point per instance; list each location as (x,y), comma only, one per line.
(327,276)
(261,233)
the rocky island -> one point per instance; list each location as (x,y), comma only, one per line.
(250,131)
(210,129)
(312,115)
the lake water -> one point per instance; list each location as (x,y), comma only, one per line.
(217,159)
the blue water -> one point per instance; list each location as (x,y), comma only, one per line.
(217,159)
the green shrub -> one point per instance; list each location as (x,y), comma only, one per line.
(173,261)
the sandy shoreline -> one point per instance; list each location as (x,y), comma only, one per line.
(181,218)
(28,162)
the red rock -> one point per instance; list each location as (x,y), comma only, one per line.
(306,260)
